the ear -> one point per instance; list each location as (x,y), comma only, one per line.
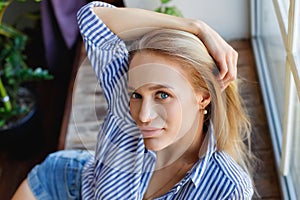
(203,100)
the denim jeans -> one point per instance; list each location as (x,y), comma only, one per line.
(59,175)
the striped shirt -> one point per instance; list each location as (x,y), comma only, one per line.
(122,166)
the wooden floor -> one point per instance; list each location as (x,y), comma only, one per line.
(13,170)
(265,177)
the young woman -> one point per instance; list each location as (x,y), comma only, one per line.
(174,127)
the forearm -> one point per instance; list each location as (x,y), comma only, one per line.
(129,23)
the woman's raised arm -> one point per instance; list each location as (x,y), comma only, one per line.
(130,23)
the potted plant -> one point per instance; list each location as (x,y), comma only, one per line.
(162,6)
(17,102)
(167,9)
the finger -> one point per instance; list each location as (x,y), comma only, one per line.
(234,64)
(232,67)
(226,73)
(223,68)
(230,75)
(225,85)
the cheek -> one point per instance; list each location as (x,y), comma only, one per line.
(189,104)
(189,113)
(134,109)
(174,113)
(190,109)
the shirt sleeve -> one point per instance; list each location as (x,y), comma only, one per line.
(244,190)
(108,55)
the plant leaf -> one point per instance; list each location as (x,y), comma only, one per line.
(173,10)
(165,1)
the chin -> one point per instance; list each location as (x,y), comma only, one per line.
(153,146)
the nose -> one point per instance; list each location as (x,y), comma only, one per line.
(147,111)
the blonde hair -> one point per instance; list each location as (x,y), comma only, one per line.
(226,113)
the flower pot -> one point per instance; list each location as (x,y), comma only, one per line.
(22,138)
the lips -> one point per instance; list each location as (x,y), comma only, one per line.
(149,132)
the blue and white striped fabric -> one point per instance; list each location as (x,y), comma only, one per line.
(122,167)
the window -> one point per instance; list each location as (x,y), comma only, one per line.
(295,158)
(273,46)
(275,29)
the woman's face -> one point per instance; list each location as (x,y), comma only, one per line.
(162,103)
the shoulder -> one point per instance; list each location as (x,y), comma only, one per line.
(242,187)
(223,178)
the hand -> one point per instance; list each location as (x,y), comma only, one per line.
(123,20)
(224,55)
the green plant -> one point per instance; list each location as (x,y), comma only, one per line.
(14,70)
(170,10)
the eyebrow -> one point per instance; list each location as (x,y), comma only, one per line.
(155,87)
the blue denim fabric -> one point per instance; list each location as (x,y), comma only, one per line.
(59,175)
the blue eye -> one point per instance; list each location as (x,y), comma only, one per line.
(163,95)
(135,95)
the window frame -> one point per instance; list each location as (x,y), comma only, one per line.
(282,137)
